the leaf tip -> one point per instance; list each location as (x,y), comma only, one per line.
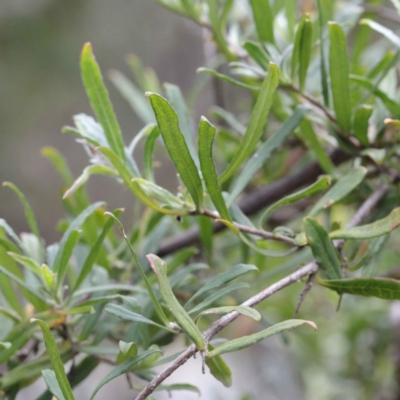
(312,324)
(87,49)
(149,94)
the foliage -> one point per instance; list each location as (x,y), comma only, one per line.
(310,88)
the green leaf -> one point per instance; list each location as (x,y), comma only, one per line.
(377,228)
(127,315)
(59,163)
(87,172)
(206,138)
(360,124)
(377,155)
(95,250)
(265,152)
(167,202)
(126,351)
(228,79)
(206,235)
(263,19)
(125,367)
(182,318)
(310,137)
(32,291)
(222,279)
(246,341)
(178,386)
(256,123)
(324,73)
(219,369)
(168,123)
(154,299)
(148,154)
(66,254)
(322,248)
(133,96)
(340,189)
(135,185)
(339,70)
(389,103)
(55,359)
(100,101)
(383,288)
(257,53)
(50,378)
(27,262)
(211,299)
(78,310)
(250,312)
(302,50)
(216,27)
(323,183)
(10,232)
(30,216)
(60,260)
(388,33)
(177,101)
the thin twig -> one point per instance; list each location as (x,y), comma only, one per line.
(255,201)
(307,287)
(311,268)
(254,231)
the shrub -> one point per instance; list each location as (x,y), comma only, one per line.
(308,191)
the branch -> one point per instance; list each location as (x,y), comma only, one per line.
(363,212)
(254,202)
(254,231)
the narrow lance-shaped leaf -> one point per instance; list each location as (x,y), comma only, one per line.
(360,124)
(263,19)
(213,298)
(322,248)
(340,189)
(383,288)
(265,152)
(324,73)
(34,296)
(296,47)
(156,303)
(94,251)
(66,254)
(339,70)
(100,100)
(378,228)
(388,33)
(322,183)
(246,341)
(50,378)
(27,262)
(87,172)
(248,311)
(206,138)
(310,137)
(228,79)
(222,279)
(128,315)
(181,316)
(148,154)
(177,101)
(305,51)
(141,188)
(125,367)
(74,225)
(168,123)
(389,103)
(55,359)
(30,216)
(256,123)
(219,369)
(133,96)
